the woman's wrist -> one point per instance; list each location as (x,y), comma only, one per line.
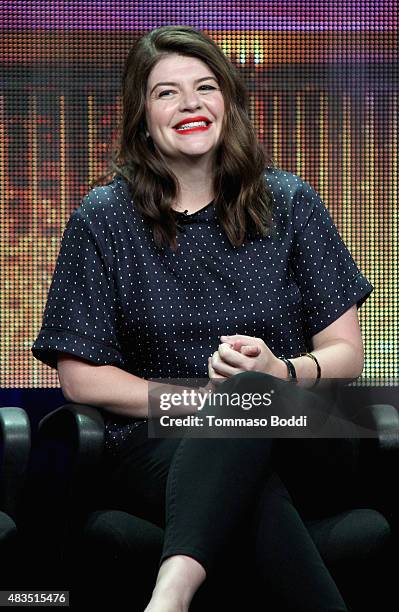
(278,369)
(306,369)
(301,369)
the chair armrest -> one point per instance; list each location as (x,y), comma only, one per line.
(379,463)
(80,424)
(384,420)
(15,436)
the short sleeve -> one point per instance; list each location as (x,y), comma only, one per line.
(80,313)
(327,276)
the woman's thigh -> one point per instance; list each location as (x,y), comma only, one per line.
(204,474)
(136,481)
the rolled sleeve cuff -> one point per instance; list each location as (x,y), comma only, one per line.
(51,341)
(327,311)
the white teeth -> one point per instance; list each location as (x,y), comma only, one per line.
(187,126)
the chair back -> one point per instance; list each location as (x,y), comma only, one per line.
(15,442)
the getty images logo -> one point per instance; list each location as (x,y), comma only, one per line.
(197,399)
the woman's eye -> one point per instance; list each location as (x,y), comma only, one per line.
(167,91)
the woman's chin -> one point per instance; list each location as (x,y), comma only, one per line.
(197,151)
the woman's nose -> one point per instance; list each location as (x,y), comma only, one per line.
(190,99)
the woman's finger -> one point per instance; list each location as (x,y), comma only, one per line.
(248,340)
(221,366)
(214,379)
(250,351)
(238,344)
(211,372)
(229,355)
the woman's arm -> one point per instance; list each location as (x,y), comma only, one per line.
(105,386)
(338,349)
(118,391)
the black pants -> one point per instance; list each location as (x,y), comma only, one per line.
(207,492)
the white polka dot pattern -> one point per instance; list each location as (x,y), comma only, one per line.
(116,298)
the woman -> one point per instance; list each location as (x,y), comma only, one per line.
(201,257)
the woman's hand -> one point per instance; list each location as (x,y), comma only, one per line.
(240,353)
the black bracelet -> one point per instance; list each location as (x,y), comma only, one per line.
(318,376)
(290,368)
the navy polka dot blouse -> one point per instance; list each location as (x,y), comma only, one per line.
(116,298)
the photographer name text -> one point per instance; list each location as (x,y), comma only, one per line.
(214,421)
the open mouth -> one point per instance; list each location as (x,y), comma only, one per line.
(194,126)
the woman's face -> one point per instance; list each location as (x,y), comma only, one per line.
(182,90)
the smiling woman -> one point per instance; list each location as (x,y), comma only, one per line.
(185,125)
(250,284)
(173,75)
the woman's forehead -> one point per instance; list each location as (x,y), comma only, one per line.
(174,67)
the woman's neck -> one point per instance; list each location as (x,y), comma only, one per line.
(191,202)
(196,186)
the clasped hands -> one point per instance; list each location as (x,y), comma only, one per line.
(239,353)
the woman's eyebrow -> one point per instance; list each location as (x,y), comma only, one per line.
(173,83)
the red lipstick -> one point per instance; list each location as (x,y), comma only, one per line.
(179,127)
(194,129)
(191,119)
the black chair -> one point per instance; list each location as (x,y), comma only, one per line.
(85,548)
(105,546)
(15,445)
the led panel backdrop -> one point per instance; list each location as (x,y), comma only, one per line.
(323,88)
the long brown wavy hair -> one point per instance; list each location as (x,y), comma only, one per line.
(242,201)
